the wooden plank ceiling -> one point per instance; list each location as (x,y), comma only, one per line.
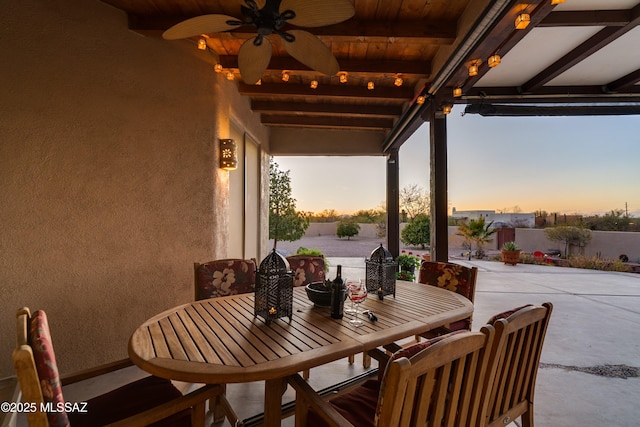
(557,59)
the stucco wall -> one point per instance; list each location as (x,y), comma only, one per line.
(110,188)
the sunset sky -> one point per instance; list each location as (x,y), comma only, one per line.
(558,164)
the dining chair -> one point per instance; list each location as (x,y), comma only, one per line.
(307,269)
(515,357)
(454,277)
(434,382)
(148,401)
(224,277)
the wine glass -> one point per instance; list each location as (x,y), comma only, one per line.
(357,294)
(351,284)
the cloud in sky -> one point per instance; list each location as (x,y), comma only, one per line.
(558,164)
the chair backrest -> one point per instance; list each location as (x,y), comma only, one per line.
(224,277)
(307,269)
(454,277)
(515,357)
(36,369)
(440,385)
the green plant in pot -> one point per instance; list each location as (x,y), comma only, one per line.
(510,253)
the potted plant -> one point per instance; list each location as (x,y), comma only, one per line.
(408,262)
(510,253)
(405,275)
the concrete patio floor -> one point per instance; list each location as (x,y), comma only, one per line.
(594,335)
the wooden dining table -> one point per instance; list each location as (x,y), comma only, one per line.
(220,341)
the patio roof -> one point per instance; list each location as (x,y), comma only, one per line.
(576,52)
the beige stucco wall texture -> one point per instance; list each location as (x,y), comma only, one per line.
(110,188)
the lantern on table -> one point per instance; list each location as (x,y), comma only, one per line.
(274,288)
(381,272)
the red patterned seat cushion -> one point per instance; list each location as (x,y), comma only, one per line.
(506,314)
(453,277)
(45,358)
(307,269)
(131,399)
(225,277)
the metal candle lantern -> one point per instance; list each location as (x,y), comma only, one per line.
(381,272)
(274,288)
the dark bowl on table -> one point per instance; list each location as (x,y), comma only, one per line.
(320,294)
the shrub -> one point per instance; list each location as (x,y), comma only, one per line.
(417,232)
(347,229)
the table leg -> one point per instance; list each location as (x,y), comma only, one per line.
(273,391)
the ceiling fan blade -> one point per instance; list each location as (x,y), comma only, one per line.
(318,13)
(199,25)
(310,50)
(253,60)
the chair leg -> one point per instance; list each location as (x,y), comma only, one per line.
(527,417)
(352,359)
(305,374)
(198,414)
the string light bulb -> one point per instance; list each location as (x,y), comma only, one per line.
(420,99)
(202,44)
(494,60)
(398,81)
(343,76)
(285,76)
(457,92)
(230,75)
(557,1)
(371,85)
(522,21)
(446,109)
(473,70)
(259,82)
(313,84)
(217,68)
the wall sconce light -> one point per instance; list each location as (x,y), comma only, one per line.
(285,76)
(371,85)
(457,92)
(343,77)
(420,99)
(446,109)
(313,84)
(398,80)
(217,68)
(494,60)
(522,21)
(557,1)
(202,44)
(228,154)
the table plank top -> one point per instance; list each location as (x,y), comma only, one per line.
(220,341)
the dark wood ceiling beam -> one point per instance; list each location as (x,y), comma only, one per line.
(490,110)
(352,30)
(587,18)
(584,50)
(548,94)
(409,68)
(327,122)
(624,82)
(353,110)
(395,94)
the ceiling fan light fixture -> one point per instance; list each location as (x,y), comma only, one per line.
(285,76)
(457,92)
(202,44)
(371,85)
(313,84)
(343,76)
(494,60)
(522,21)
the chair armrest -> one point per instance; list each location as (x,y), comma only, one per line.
(85,374)
(195,398)
(305,395)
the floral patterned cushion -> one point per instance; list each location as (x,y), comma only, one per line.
(307,269)
(45,358)
(225,277)
(506,314)
(453,277)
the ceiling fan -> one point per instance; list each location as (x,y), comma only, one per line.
(269,17)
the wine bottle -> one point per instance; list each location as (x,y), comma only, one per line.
(338,290)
